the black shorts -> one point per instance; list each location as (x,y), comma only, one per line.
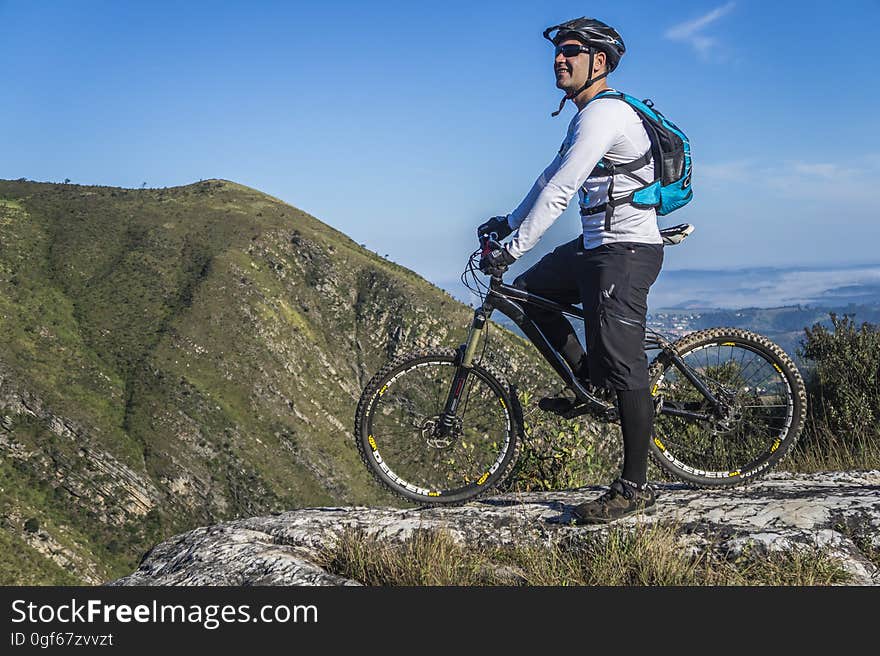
(612,283)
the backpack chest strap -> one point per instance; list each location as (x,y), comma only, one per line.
(605,168)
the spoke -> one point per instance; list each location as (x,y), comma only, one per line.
(755,357)
(679,450)
(397,410)
(400,421)
(400,431)
(707,368)
(719,383)
(439,397)
(769,405)
(764,378)
(760,426)
(742,357)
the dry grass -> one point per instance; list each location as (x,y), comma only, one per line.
(862,534)
(822,449)
(639,556)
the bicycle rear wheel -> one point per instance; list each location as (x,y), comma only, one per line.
(762,407)
(396,419)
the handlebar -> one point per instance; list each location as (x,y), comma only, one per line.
(488,242)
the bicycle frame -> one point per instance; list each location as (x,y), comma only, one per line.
(510,302)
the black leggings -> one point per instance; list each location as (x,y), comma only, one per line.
(612,283)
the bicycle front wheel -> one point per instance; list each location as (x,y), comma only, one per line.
(759,416)
(397,437)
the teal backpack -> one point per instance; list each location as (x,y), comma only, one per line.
(671,154)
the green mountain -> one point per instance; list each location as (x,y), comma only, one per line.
(171,358)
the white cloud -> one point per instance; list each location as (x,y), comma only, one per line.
(734,171)
(703,44)
(821,170)
(821,180)
(794,178)
(690,31)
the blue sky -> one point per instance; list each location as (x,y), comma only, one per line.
(405,125)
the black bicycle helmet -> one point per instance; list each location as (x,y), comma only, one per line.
(594,34)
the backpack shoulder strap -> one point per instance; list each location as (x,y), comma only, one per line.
(604,167)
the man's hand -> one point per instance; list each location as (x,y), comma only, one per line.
(498,225)
(496,259)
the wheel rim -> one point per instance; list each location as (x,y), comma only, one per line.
(402,431)
(740,438)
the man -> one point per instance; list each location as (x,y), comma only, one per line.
(610,267)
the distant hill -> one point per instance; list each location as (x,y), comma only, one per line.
(176,357)
(784,325)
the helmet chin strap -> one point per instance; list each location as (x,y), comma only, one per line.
(587,84)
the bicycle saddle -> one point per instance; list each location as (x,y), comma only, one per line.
(676,234)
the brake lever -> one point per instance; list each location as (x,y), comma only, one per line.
(488,243)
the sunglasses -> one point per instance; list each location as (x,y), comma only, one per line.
(570,50)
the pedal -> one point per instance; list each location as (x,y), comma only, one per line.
(593,404)
(658,404)
(576,411)
(597,409)
(612,414)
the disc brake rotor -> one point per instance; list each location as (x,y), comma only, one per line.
(731,412)
(430,429)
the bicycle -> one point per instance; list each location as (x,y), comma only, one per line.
(440,426)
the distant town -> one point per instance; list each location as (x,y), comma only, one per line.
(674,323)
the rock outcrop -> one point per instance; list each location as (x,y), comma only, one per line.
(838,511)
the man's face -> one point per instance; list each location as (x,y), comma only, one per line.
(573,72)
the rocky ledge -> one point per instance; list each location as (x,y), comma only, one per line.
(838,511)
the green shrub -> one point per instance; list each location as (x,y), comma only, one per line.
(561,454)
(843,396)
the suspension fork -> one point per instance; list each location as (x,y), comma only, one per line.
(464,362)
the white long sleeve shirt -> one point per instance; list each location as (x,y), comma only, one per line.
(609,128)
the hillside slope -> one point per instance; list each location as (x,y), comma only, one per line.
(175,357)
